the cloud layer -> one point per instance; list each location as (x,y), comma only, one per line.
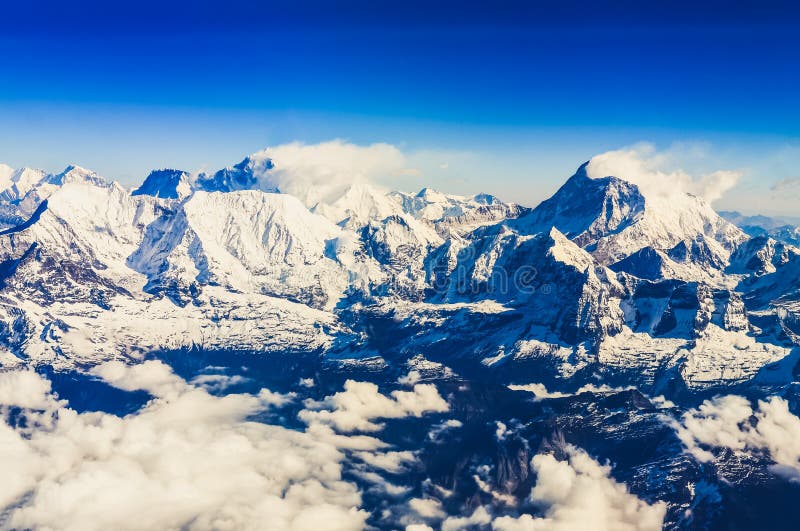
(188,459)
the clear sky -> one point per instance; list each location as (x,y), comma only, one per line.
(504,97)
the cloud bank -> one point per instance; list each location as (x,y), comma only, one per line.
(643,166)
(188,459)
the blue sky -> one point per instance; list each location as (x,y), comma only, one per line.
(506,97)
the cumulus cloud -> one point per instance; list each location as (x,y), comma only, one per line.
(480,517)
(355,408)
(392,462)
(25,389)
(653,172)
(731,422)
(322,172)
(427,508)
(152,376)
(411,378)
(575,493)
(579,493)
(187,460)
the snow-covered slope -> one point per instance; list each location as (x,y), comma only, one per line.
(246,242)
(22,191)
(601,281)
(677,235)
(453,214)
(88,278)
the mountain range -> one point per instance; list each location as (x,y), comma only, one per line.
(509,352)
(599,283)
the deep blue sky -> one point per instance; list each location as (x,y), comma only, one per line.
(527,89)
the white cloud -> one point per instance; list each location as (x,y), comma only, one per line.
(438,429)
(188,459)
(480,517)
(576,493)
(25,389)
(151,376)
(360,403)
(392,462)
(579,493)
(540,392)
(218,382)
(427,508)
(411,378)
(654,173)
(322,172)
(731,422)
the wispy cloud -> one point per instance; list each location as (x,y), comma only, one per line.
(655,172)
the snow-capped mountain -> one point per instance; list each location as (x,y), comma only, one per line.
(454,215)
(676,235)
(600,281)
(543,327)
(23,190)
(167,184)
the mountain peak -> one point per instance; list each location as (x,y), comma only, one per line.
(586,209)
(431,195)
(247,175)
(77,174)
(613,219)
(166,183)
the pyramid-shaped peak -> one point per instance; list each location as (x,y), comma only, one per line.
(165,183)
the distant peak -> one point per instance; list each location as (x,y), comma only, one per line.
(429,194)
(249,174)
(484,199)
(77,174)
(75,169)
(166,183)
